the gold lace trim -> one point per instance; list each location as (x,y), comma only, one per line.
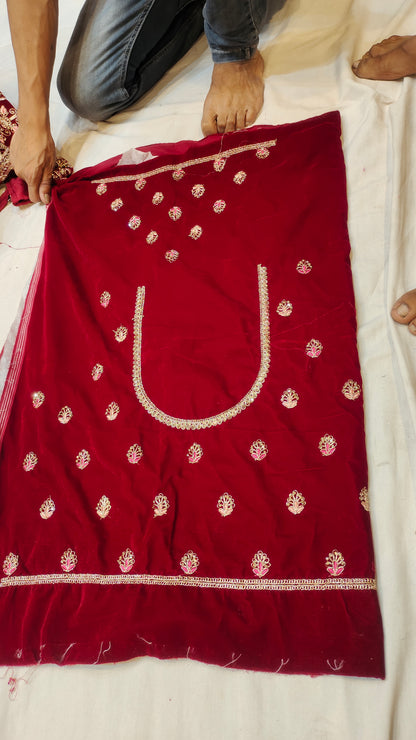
(200,160)
(247,400)
(235,584)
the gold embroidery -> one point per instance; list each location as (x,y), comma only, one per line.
(177,174)
(235,584)
(152,237)
(225,504)
(194,453)
(262,153)
(198,190)
(195,232)
(134,222)
(30,461)
(139,184)
(239,177)
(68,560)
(126,561)
(47,508)
(175,213)
(101,189)
(160,505)
(134,454)
(83,459)
(219,206)
(105,298)
(37,399)
(295,502)
(365,501)
(304,267)
(112,411)
(10,564)
(351,390)
(314,348)
(284,308)
(189,163)
(258,450)
(219,164)
(171,255)
(289,398)
(335,563)
(157,198)
(260,564)
(246,401)
(327,445)
(189,562)
(120,333)
(97,371)
(103,507)
(116,204)
(65,415)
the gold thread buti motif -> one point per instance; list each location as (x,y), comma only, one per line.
(190,162)
(247,400)
(235,584)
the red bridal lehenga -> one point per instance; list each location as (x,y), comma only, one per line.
(183,468)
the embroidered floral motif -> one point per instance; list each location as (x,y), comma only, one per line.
(134,222)
(171,255)
(10,564)
(219,164)
(365,501)
(101,189)
(284,308)
(351,390)
(68,560)
(262,153)
(82,459)
(105,298)
(225,504)
(290,398)
(120,333)
(47,508)
(335,563)
(157,198)
(134,454)
(258,450)
(175,213)
(103,507)
(116,204)
(295,502)
(304,267)
(126,561)
(160,505)
(30,462)
(194,453)
(219,206)
(195,232)
(178,174)
(112,411)
(260,564)
(152,237)
(37,399)
(198,190)
(97,371)
(140,183)
(314,348)
(327,445)
(189,562)
(239,177)
(65,415)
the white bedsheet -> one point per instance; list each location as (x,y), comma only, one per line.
(308,48)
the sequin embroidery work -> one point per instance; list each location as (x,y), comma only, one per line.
(194,453)
(157,198)
(120,333)
(351,390)
(260,564)
(30,461)
(97,371)
(68,560)
(304,267)
(295,502)
(327,445)
(335,563)
(171,255)
(290,398)
(284,308)
(65,415)
(189,562)
(152,237)
(103,507)
(105,298)
(116,204)
(126,561)
(195,232)
(10,564)
(160,505)
(225,504)
(47,508)
(82,459)
(134,222)
(37,399)
(365,501)
(198,190)
(258,450)
(134,454)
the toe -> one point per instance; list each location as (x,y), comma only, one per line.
(240,119)
(209,123)
(404,310)
(412,327)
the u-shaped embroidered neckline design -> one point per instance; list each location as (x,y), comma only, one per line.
(247,400)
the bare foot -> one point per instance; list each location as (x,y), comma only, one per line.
(235,97)
(404,310)
(392,59)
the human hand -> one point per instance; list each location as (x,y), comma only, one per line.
(32,156)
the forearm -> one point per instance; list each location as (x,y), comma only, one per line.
(33,26)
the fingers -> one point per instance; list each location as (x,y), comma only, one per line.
(45,190)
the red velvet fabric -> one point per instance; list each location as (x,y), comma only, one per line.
(277,575)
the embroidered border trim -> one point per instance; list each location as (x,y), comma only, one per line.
(235,584)
(190,162)
(247,400)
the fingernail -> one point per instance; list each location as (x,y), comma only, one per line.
(412,328)
(403,310)
(46,199)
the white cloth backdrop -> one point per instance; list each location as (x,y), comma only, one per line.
(308,48)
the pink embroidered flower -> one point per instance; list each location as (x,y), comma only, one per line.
(304,267)
(103,507)
(116,204)
(112,411)
(178,174)
(134,454)
(105,298)
(239,177)
(157,198)
(47,508)
(171,255)
(97,371)
(152,237)
(30,462)
(134,222)
(284,308)
(314,348)
(198,190)
(126,561)
(120,333)
(260,564)
(225,504)
(335,563)
(82,459)
(189,562)
(160,505)
(175,213)
(262,152)
(65,415)
(258,450)
(219,164)
(194,453)
(101,188)
(140,183)
(68,560)
(10,564)
(327,445)
(290,398)
(365,501)
(195,232)
(37,399)
(219,206)
(351,390)
(295,502)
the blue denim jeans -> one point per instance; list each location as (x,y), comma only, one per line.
(119,50)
